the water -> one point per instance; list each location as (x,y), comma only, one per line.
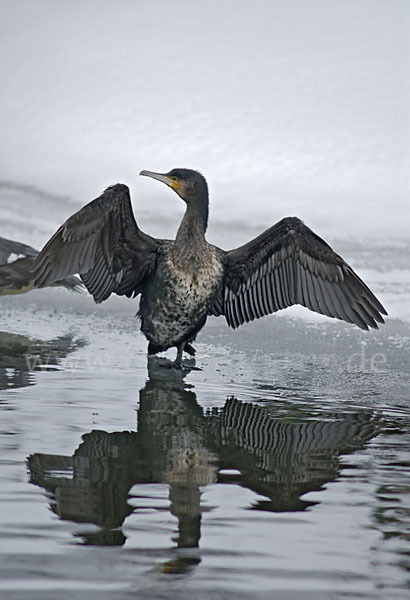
(281,468)
(275,471)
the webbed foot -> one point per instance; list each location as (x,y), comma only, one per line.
(176,365)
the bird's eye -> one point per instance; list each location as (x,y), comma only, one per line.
(174,178)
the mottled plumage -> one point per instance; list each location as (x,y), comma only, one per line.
(183,281)
(177,299)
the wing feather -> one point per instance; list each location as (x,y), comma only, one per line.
(265,302)
(289,264)
(312,296)
(103,243)
(320,300)
(16,276)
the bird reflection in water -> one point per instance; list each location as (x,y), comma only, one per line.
(180,444)
(21,356)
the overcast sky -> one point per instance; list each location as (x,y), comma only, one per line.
(297,107)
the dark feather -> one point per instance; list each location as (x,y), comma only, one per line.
(104,244)
(9,247)
(16,276)
(289,264)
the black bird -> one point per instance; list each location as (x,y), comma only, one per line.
(16,276)
(182,282)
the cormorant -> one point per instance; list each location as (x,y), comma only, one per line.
(182,282)
(16,277)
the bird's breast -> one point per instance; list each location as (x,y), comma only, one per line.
(193,281)
(180,297)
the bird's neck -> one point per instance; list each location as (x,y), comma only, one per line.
(190,238)
(194,223)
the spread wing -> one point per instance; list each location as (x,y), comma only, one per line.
(104,244)
(289,264)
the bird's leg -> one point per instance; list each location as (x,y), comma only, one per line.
(189,349)
(177,364)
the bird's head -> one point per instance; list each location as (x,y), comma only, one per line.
(190,185)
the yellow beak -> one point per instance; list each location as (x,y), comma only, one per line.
(167,179)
